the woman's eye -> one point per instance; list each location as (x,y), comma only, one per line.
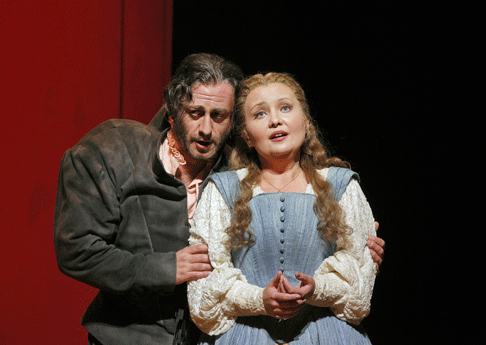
(259,114)
(286,108)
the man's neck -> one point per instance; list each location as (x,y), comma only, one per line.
(188,172)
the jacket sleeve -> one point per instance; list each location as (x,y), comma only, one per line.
(215,302)
(86,222)
(344,281)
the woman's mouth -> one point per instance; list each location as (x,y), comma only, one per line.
(279,135)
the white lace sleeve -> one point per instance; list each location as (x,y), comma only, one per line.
(216,301)
(344,281)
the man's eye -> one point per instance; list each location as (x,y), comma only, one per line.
(193,112)
(219,116)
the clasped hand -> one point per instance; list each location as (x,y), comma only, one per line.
(282,300)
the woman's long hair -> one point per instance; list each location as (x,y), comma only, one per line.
(313,157)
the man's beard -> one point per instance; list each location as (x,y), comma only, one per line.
(183,139)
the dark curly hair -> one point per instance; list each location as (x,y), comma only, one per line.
(198,69)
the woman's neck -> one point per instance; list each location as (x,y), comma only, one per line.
(282,177)
(279,165)
(280,168)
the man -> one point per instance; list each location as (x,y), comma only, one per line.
(125,199)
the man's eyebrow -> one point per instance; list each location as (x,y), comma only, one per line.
(195,107)
(201,108)
(220,110)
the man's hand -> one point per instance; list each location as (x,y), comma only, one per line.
(377,248)
(193,263)
(281,305)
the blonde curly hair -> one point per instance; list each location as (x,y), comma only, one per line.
(313,157)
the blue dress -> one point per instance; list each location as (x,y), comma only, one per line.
(281,224)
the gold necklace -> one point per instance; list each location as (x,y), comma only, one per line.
(280,189)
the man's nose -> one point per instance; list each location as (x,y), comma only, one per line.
(206,127)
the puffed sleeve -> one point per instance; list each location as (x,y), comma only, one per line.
(344,281)
(216,301)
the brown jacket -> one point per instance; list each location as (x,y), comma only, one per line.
(119,220)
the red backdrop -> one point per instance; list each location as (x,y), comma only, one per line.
(65,66)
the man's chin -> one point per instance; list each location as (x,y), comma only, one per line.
(206,156)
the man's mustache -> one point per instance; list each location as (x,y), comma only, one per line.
(207,141)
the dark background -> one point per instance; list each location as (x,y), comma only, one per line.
(391,86)
(383,81)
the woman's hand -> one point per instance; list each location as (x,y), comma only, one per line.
(281,304)
(305,288)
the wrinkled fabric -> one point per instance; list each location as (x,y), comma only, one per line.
(228,304)
(119,220)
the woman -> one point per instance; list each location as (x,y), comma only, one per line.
(286,232)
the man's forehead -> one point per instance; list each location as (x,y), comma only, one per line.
(217,92)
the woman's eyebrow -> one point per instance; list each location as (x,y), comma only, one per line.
(258,104)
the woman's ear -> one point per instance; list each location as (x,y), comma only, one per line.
(245,136)
(306,127)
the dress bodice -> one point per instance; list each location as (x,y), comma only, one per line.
(286,239)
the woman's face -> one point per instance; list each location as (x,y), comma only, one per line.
(275,123)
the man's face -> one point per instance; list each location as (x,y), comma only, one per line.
(205,123)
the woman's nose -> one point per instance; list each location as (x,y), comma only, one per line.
(275,119)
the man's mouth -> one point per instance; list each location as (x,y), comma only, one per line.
(203,144)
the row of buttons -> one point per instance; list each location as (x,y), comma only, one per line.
(282,232)
(281,325)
